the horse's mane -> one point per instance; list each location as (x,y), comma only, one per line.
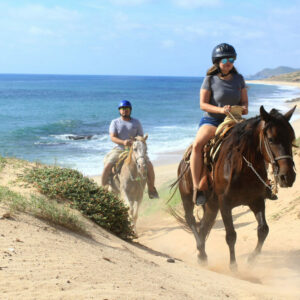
(128,159)
(129,156)
(242,141)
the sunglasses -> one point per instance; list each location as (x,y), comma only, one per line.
(125,107)
(225,60)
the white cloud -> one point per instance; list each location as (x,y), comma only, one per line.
(168,44)
(197,3)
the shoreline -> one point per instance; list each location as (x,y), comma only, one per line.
(275,82)
(165,166)
(170,160)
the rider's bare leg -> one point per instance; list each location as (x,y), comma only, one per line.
(105,174)
(152,192)
(204,134)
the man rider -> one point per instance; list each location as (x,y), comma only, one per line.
(122,130)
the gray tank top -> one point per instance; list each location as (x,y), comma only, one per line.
(223,92)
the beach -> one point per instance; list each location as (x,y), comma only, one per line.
(44,261)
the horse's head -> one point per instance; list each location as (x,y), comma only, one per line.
(277,139)
(139,153)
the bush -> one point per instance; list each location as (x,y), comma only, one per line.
(42,208)
(102,207)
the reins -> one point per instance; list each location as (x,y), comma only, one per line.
(273,160)
(137,178)
(270,154)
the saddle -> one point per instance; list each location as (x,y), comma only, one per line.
(116,169)
(212,148)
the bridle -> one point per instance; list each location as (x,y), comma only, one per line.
(138,178)
(272,159)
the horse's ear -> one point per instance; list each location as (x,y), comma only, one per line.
(289,114)
(263,114)
(145,136)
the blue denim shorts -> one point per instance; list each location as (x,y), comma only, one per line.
(210,121)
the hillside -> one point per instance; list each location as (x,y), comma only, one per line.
(266,73)
(289,77)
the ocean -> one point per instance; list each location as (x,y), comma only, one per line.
(64,119)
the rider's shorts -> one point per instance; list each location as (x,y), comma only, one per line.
(112,156)
(210,121)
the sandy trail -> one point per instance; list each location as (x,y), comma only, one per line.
(277,267)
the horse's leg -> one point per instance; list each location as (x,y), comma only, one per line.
(230,232)
(208,219)
(125,197)
(135,211)
(190,219)
(258,208)
(206,223)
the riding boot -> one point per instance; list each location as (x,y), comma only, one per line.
(153,194)
(198,197)
(270,195)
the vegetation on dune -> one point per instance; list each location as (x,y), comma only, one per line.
(42,208)
(292,77)
(99,205)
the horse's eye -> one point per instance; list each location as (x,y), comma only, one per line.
(271,140)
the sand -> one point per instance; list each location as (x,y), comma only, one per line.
(274,82)
(41,261)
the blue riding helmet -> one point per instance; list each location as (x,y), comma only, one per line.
(124,103)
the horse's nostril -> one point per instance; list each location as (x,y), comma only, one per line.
(283,178)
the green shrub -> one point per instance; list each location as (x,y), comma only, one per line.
(94,202)
(42,208)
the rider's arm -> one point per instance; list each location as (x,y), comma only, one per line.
(204,103)
(140,131)
(118,141)
(244,101)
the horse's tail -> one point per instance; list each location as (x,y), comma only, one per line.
(180,176)
(179,218)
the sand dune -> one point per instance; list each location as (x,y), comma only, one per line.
(40,261)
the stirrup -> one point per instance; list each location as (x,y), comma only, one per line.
(198,197)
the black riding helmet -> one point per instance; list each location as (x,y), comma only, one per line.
(222,50)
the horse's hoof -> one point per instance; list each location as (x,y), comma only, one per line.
(251,258)
(233,267)
(202,259)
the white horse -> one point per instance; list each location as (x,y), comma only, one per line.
(131,180)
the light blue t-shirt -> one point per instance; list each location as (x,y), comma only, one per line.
(125,130)
(223,92)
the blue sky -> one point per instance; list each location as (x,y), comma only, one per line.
(145,37)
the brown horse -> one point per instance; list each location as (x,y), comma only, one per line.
(239,177)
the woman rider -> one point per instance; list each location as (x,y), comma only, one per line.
(222,88)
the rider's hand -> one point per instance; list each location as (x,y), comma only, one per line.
(226,109)
(127,143)
(245,110)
